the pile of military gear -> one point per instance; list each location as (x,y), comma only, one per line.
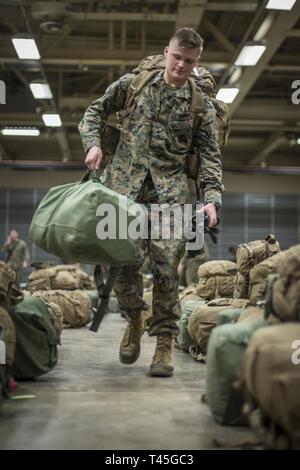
(68,287)
(269,375)
(10,295)
(251,371)
(64,276)
(75,306)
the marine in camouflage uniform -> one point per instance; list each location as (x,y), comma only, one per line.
(17,255)
(149,166)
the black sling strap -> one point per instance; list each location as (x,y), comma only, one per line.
(104,290)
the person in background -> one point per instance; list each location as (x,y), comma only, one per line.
(17,254)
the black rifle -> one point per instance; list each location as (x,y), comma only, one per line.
(211,231)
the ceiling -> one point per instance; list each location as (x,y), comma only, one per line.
(85,45)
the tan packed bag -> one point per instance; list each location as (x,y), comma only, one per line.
(9,335)
(51,279)
(10,294)
(189,293)
(251,314)
(250,254)
(286,289)
(271,378)
(241,287)
(216,279)
(74,305)
(204,320)
(259,276)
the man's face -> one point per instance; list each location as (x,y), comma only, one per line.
(14,235)
(180,62)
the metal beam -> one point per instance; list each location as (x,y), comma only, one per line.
(293,33)
(189,13)
(217,33)
(276,35)
(117,58)
(274,141)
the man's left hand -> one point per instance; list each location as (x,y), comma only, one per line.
(210,210)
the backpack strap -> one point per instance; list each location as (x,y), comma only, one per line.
(197,103)
(137,85)
(104,290)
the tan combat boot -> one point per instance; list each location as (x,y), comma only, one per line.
(130,346)
(162,360)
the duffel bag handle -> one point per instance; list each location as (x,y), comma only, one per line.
(90,174)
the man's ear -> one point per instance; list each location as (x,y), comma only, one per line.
(166,49)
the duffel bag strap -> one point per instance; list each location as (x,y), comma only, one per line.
(104,290)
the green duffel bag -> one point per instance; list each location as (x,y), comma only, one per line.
(72,220)
(36,345)
(226,347)
(184,340)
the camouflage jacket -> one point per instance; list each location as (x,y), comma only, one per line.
(156,138)
(17,254)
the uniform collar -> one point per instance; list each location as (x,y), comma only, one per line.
(181,92)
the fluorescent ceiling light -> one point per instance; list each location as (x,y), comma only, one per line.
(26,47)
(52,120)
(298,141)
(227,94)
(18,131)
(250,54)
(280,4)
(41,91)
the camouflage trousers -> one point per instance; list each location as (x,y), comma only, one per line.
(164,255)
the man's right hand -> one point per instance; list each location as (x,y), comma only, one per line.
(94,158)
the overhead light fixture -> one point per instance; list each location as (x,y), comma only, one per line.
(21,131)
(52,120)
(41,91)
(280,4)
(227,94)
(26,47)
(250,54)
(298,141)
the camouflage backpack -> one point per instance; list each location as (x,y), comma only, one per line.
(201,81)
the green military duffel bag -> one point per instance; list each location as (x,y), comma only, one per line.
(72,220)
(37,340)
(226,347)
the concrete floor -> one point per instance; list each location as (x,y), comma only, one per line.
(92,401)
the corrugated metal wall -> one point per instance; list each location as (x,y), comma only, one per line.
(244,217)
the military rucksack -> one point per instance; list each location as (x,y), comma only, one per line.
(7,351)
(216,279)
(250,254)
(9,293)
(205,319)
(283,289)
(201,81)
(259,276)
(75,305)
(271,382)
